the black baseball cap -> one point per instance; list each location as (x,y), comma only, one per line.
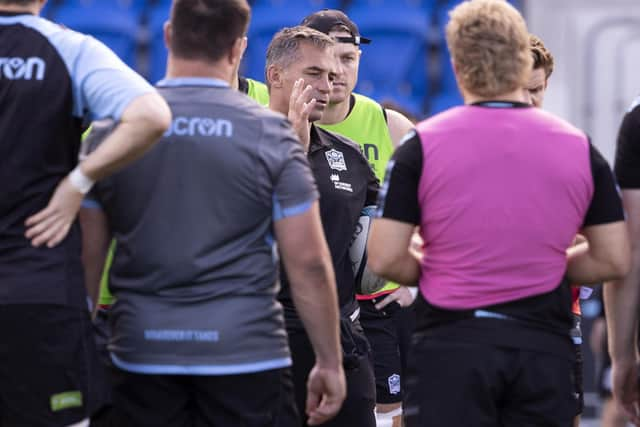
(326,19)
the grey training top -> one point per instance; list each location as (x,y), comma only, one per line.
(195,275)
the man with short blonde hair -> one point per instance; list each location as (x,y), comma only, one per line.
(499,190)
(501,31)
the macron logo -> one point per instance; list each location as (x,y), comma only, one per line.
(22,69)
(200,126)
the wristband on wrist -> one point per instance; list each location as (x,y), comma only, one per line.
(413,290)
(80,181)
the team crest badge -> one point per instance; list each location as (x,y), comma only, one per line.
(336,160)
(394,384)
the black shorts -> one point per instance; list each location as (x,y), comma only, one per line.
(381,329)
(457,383)
(50,374)
(358,407)
(261,399)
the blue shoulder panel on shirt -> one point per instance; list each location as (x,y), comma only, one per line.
(103,85)
(279,212)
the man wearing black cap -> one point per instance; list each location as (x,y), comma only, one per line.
(378,131)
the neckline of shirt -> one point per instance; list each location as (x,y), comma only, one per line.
(192,81)
(500,104)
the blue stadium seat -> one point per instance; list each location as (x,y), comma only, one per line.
(268,18)
(157,50)
(48,9)
(444,101)
(394,65)
(312,4)
(427,5)
(114,22)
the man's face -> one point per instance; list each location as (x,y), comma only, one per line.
(317,67)
(348,61)
(536,86)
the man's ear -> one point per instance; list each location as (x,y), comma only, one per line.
(274,76)
(237,50)
(168,34)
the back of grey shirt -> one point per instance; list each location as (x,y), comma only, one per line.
(194,273)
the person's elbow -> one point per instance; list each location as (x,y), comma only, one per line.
(380,262)
(619,265)
(149,113)
(157,117)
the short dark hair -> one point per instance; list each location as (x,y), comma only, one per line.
(285,46)
(206,29)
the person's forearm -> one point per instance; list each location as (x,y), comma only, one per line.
(606,254)
(404,270)
(142,124)
(314,294)
(95,245)
(621,299)
(585,268)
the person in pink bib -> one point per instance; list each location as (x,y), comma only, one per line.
(498,189)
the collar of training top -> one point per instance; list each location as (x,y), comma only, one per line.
(326,19)
(192,81)
(501,104)
(319,139)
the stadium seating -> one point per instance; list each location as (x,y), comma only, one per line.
(157,64)
(427,5)
(48,8)
(407,62)
(114,22)
(394,65)
(312,4)
(268,17)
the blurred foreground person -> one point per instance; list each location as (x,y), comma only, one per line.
(622,298)
(51,80)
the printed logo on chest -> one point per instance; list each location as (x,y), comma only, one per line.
(336,160)
(22,69)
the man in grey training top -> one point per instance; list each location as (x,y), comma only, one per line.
(196,325)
